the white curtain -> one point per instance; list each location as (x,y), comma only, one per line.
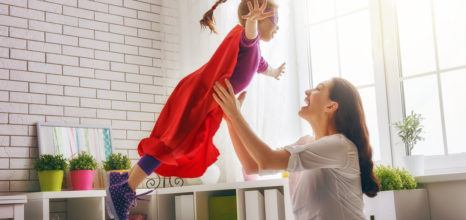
(271,106)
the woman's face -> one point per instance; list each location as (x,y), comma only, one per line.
(268,27)
(317,101)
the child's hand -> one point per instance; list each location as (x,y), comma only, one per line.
(256,13)
(276,72)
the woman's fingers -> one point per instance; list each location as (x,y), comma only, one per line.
(221,89)
(231,91)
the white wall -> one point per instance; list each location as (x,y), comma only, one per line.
(107,62)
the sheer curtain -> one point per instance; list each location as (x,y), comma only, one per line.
(271,105)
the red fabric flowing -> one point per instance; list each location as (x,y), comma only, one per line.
(182,136)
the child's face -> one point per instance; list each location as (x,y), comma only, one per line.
(268,27)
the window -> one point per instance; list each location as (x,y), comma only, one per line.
(432,42)
(340,44)
(403,56)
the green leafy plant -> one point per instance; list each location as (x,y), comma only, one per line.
(394,179)
(407,179)
(50,162)
(84,161)
(410,130)
(117,162)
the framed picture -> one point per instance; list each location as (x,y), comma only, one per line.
(70,139)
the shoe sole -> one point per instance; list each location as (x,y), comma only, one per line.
(110,205)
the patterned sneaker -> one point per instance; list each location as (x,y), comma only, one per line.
(120,197)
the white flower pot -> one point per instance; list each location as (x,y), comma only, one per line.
(415,164)
(399,204)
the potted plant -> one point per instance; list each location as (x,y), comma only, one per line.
(117,162)
(82,171)
(50,169)
(410,130)
(399,197)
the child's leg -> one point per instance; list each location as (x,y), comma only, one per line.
(140,171)
(121,190)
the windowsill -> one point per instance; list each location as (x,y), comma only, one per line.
(444,177)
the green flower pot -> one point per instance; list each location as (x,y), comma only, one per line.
(50,180)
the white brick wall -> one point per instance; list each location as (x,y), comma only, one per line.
(103,62)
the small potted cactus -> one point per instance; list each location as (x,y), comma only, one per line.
(82,171)
(50,169)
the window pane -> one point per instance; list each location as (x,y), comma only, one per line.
(345,6)
(370,111)
(421,96)
(416,37)
(321,10)
(453,92)
(450,25)
(324,57)
(356,48)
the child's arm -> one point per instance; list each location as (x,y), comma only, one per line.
(266,69)
(256,13)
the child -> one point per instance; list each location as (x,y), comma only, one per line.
(181,142)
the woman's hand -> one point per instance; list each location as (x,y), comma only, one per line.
(225,97)
(256,12)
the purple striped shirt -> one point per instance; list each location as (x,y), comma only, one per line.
(249,62)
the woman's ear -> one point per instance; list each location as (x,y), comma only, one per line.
(331,107)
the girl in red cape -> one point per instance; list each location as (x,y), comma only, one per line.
(181,142)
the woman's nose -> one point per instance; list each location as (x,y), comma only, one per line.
(308,92)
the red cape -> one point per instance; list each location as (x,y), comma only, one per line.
(182,136)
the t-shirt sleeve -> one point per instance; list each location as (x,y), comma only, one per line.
(263,65)
(245,42)
(327,152)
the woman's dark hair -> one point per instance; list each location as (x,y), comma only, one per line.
(208,21)
(349,120)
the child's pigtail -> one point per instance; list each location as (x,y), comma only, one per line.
(208,19)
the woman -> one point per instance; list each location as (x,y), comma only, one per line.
(328,173)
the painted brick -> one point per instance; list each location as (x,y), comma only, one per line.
(13,64)
(62,39)
(108,18)
(131,22)
(45,109)
(111,114)
(27,13)
(130,106)
(78,71)
(27,55)
(13,129)
(95,121)
(24,120)
(78,51)
(27,97)
(45,68)
(80,92)
(128,125)
(121,48)
(27,34)
(63,80)
(95,103)
(136,78)
(138,97)
(113,95)
(78,32)
(141,116)
(62,100)
(91,5)
(77,12)
(45,26)
(26,141)
(45,6)
(122,67)
(13,107)
(13,86)
(13,21)
(136,41)
(43,47)
(119,29)
(110,56)
(95,83)
(61,19)
(109,37)
(94,25)
(122,11)
(109,75)
(80,112)
(123,86)
(96,64)
(138,60)
(62,59)
(46,88)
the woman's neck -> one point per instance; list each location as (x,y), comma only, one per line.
(322,128)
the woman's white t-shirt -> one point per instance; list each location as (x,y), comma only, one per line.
(324,179)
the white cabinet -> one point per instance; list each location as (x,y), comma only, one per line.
(12,207)
(85,204)
(165,198)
